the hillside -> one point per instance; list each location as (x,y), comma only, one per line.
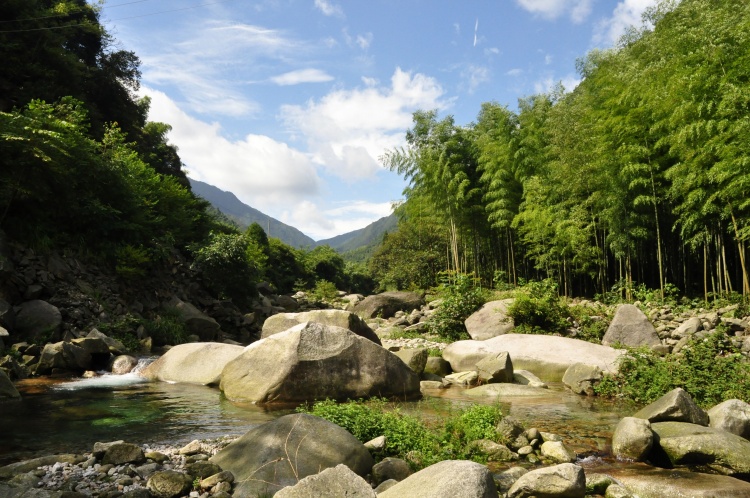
(359,245)
(244,215)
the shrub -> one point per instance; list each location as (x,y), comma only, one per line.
(409,437)
(460,299)
(225,266)
(324,291)
(538,309)
(711,370)
(167,328)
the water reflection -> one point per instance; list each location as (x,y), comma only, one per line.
(71,417)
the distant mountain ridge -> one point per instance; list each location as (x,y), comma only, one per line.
(362,241)
(244,215)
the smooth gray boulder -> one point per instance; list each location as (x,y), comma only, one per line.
(527,378)
(630,327)
(338,318)
(120,453)
(196,322)
(733,415)
(688,328)
(675,406)
(632,439)
(336,481)
(558,451)
(390,468)
(36,320)
(279,453)
(496,367)
(547,357)
(7,389)
(415,358)
(684,443)
(565,480)
(437,366)
(506,389)
(386,304)
(446,479)
(122,364)
(193,363)
(582,378)
(169,484)
(491,320)
(313,361)
(646,481)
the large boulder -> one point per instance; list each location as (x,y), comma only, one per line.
(546,356)
(315,361)
(415,358)
(733,415)
(338,318)
(194,363)
(491,320)
(691,444)
(115,346)
(630,327)
(565,480)
(386,304)
(495,368)
(675,406)
(7,389)
(279,453)
(36,320)
(336,481)
(582,378)
(63,356)
(196,322)
(632,439)
(646,481)
(446,479)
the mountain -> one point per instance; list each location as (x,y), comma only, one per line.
(360,244)
(244,215)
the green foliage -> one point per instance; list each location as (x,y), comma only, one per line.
(166,328)
(324,291)
(589,328)
(538,309)
(461,298)
(711,370)
(132,261)
(409,437)
(124,330)
(223,261)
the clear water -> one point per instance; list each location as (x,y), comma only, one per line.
(70,416)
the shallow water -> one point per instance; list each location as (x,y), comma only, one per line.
(70,416)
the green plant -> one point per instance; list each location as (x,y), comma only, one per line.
(591,327)
(410,437)
(461,298)
(132,261)
(539,310)
(710,369)
(167,328)
(123,329)
(324,291)
(435,352)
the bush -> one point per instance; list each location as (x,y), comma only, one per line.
(323,291)
(538,309)
(409,437)
(711,370)
(460,299)
(167,328)
(225,266)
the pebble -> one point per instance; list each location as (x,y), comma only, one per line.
(91,478)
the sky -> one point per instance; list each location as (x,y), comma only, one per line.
(289,104)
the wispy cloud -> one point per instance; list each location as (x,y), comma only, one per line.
(347,130)
(364,41)
(476,29)
(515,72)
(473,76)
(302,76)
(321,223)
(548,84)
(329,8)
(578,10)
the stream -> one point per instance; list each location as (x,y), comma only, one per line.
(69,416)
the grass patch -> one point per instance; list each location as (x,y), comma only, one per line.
(410,437)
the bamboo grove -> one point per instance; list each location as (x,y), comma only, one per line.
(640,174)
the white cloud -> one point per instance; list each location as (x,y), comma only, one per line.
(578,10)
(328,8)
(201,67)
(546,85)
(260,171)
(627,13)
(302,76)
(347,130)
(364,41)
(369,81)
(548,59)
(473,76)
(320,223)
(492,51)
(515,72)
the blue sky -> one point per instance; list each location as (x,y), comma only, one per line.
(289,103)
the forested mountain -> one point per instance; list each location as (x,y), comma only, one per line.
(244,215)
(367,237)
(641,174)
